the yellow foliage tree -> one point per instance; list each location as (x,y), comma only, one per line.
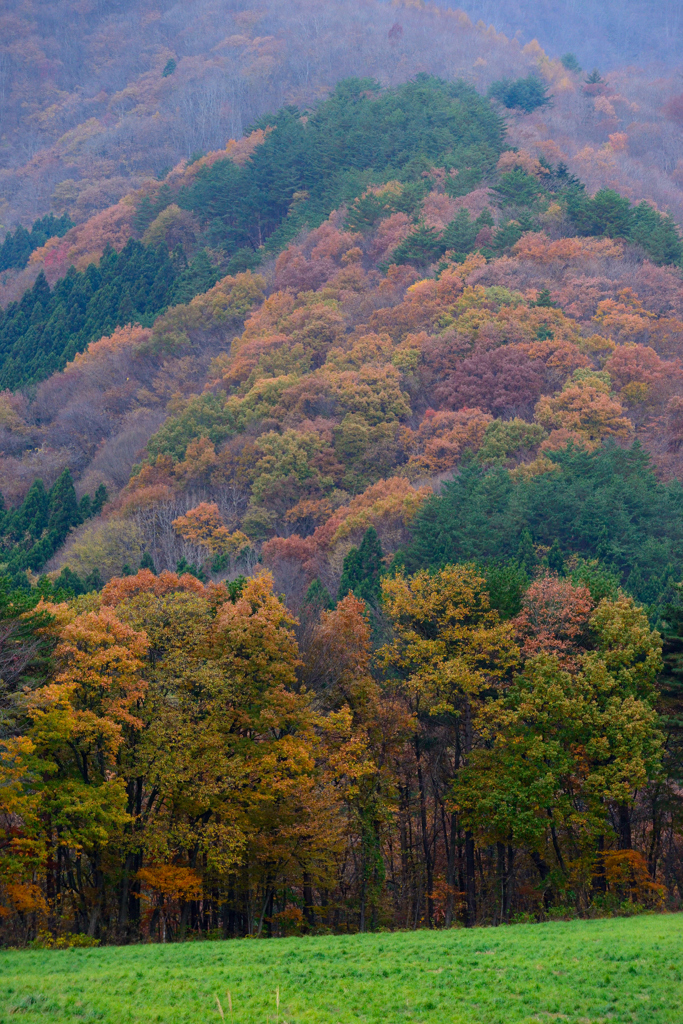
(584,411)
(204,526)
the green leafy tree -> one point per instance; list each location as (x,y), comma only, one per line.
(562,748)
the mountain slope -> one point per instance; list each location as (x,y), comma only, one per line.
(80,131)
(329,574)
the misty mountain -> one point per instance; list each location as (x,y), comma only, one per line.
(604,34)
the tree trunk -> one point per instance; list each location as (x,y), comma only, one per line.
(450,877)
(51,889)
(125,895)
(624,827)
(363,895)
(499,914)
(99,890)
(543,871)
(599,879)
(470,881)
(425,838)
(266,901)
(509,883)
(269,915)
(309,912)
(184,921)
(541,865)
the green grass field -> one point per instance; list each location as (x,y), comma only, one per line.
(618,970)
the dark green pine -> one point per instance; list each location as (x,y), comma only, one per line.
(362,569)
(64,510)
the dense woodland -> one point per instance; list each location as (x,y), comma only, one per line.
(342,528)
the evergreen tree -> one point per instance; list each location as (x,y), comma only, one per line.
(144,215)
(32,516)
(555,560)
(183,566)
(93,581)
(525,93)
(64,509)
(85,507)
(99,499)
(422,247)
(17,248)
(605,505)
(657,234)
(544,300)
(570,62)
(235,587)
(507,583)
(526,555)
(39,334)
(671,689)
(362,569)
(69,581)
(147,562)
(198,277)
(317,596)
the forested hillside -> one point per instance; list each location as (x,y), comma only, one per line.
(98,99)
(342,528)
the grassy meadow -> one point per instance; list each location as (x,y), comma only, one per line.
(581,972)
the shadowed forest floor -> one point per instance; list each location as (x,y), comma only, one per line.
(582,972)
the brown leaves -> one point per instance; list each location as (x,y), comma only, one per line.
(97,688)
(504,382)
(554,619)
(307,266)
(536,247)
(338,656)
(123,588)
(172,881)
(441,438)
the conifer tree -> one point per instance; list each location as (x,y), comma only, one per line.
(147,562)
(555,559)
(362,568)
(99,499)
(64,510)
(526,556)
(33,515)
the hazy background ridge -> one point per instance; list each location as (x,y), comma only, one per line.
(606,33)
(87,113)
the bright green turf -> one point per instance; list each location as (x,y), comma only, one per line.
(624,970)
